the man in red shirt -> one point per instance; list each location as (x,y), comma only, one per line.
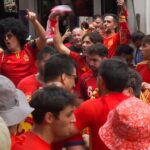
(60,71)
(87,40)
(33,82)
(112,38)
(53,117)
(75,44)
(144,67)
(87,84)
(112,79)
(18,58)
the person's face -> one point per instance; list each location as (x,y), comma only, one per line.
(11,42)
(41,63)
(62,125)
(109,24)
(77,37)
(86,42)
(94,62)
(69,80)
(98,23)
(145,50)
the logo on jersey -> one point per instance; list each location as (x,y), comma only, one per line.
(110,43)
(26,57)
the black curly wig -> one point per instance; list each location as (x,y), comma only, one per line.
(16,27)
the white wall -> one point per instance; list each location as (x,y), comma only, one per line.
(143,8)
(148,16)
(97,7)
(140,8)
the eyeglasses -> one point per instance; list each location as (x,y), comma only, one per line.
(8,35)
(74,76)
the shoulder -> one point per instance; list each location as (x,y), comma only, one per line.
(27,80)
(141,65)
(30,46)
(86,74)
(21,142)
(89,106)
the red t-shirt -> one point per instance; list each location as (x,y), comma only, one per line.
(93,114)
(29,85)
(17,66)
(67,143)
(144,71)
(112,43)
(14,138)
(82,66)
(30,141)
(121,37)
(86,85)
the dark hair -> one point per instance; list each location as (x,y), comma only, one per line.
(138,35)
(16,27)
(115,74)
(57,65)
(124,49)
(84,25)
(115,17)
(97,16)
(50,99)
(134,82)
(46,50)
(98,49)
(94,37)
(146,39)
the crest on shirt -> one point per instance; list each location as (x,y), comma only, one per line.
(83,69)
(8,61)
(110,43)
(26,57)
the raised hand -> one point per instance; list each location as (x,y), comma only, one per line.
(31,16)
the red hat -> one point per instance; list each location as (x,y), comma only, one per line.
(128,126)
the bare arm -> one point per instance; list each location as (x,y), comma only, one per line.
(66,34)
(123,24)
(41,40)
(58,42)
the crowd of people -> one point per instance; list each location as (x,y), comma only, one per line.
(88,89)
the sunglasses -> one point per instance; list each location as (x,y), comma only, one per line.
(74,76)
(8,36)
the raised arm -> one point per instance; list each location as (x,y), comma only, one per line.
(41,40)
(58,42)
(123,24)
